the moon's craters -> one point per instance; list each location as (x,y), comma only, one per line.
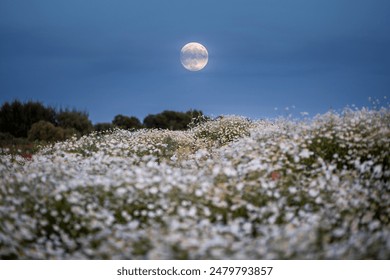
(194,56)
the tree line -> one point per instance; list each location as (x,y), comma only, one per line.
(36,122)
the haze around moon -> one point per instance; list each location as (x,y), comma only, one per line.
(194,56)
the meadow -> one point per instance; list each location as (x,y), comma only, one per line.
(227,188)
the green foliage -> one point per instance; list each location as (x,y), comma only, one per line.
(172,120)
(45,131)
(17,118)
(102,127)
(6,138)
(13,146)
(126,122)
(73,119)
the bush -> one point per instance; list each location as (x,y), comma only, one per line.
(6,138)
(172,120)
(45,131)
(76,120)
(126,122)
(17,118)
(101,127)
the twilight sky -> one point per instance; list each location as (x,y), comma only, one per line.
(112,57)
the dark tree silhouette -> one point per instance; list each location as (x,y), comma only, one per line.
(73,119)
(171,119)
(17,118)
(126,122)
(100,127)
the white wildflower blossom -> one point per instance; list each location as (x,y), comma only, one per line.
(227,188)
(305,153)
(313,192)
(292,189)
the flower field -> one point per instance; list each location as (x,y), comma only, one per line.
(228,188)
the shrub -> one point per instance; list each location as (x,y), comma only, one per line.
(172,120)
(76,120)
(6,138)
(126,122)
(45,131)
(17,118)
(101,127)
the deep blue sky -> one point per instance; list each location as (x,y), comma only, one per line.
(113,57)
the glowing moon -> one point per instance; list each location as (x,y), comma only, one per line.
(194,56)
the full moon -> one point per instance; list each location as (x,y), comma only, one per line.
(194,56)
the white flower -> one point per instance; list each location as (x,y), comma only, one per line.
(229,171)
(247,227)
(153,190)
(292,190)
(133,196)
(198,192)
(305,153)
(121,191)
(313,192)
